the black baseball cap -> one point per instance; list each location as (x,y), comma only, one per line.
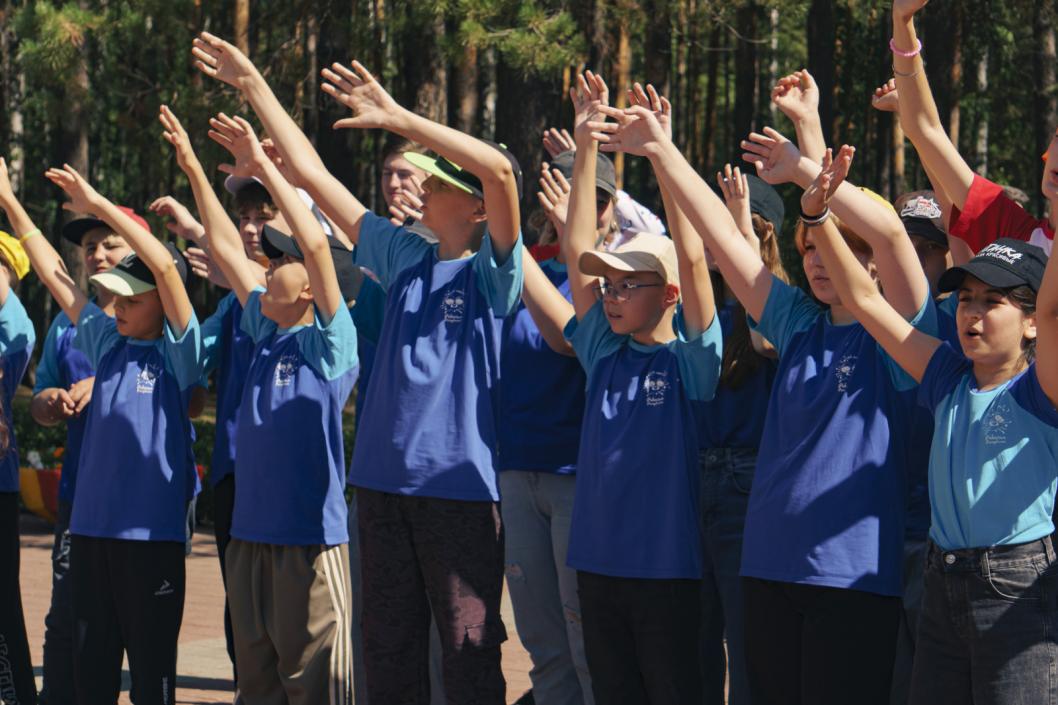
(1004,264)
(605,173)
(132,276)
(276,244)
(458,176)
(918,215)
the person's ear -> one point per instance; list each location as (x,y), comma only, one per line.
(1029,326)
(672,294)
(479,215)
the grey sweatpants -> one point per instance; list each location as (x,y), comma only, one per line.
(290,610)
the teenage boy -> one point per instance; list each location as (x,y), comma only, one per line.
(424,462)
(287,563)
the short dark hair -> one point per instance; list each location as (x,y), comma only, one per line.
(254,195)
(395,145)
(1024,297)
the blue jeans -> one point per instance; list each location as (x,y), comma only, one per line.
(537,509)
(58,625)
(727,476)
(986,634)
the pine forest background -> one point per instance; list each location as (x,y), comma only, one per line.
(81,82)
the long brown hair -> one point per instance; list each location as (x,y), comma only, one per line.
(740,360)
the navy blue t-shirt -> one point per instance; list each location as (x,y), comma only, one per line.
(829,495)
(734,418)
(16,344)
(368,313)
(635,511)
(541,396)
(230,350)
(136,472)
(62,365)
(429,427)
(290,454)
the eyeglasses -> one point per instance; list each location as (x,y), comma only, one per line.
(621,291)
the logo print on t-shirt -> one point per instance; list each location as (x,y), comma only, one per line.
(996,423)
(655,384)
(843,371)
(285,369)
(147,378)
(453,305)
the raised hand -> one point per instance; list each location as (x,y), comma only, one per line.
(237,136)
(175,134)
(558,141)
(222,60)
(554,195)
(797,96)
(886,98)
(589,96)
(83,198)
(636,131)
(357,89)
(272,152)
(650,100)
(735,187)
(405,205)
(775,157)
(202,265)
(816,197)
(906,9)
(179,221)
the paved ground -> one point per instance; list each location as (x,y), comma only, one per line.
(204,670)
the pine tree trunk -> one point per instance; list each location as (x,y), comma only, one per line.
(241,26)
(956,74)
(465,88)
(624,82)
(821,37)
(747,70)
(981,146)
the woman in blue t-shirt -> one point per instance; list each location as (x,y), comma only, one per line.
(823,540)
(986,632)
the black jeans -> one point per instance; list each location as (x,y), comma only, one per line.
(128,596)
(223,506)
(58,625)
(641,639)
(818,645)
(16,669)
(987,630)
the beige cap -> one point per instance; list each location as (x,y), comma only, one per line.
(640,254)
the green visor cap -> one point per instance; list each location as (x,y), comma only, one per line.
(458,176)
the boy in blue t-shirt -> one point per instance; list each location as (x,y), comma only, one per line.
(423,465)
(287,563)
(136,470)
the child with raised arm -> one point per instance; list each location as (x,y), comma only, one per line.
(16,345)
(135,476)
(649,340)
(823,541)
(287,563)
(987,624)
(424,463)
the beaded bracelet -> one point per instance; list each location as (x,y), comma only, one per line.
(814,220)
(901,52)
(31,233)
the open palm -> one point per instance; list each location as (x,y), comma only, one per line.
(357,89)
(588,96)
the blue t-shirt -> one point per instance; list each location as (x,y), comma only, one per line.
(734,418)
(136,472)
(290,458)
(429,427)
(947,330)
(63,365)
(635,512)
(368,312)
(229,351)
(829,494)
(16,344)
(541,396)
(994,462)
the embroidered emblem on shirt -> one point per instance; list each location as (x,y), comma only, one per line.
(147,378)
(285,369)
(843,371)
(453,305)
(655,384)
(996,423)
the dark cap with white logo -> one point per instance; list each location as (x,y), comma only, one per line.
(1004,264)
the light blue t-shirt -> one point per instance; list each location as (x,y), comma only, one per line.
(829,494)
(63,365)
(16,345)
(635,512)
(290,455)
(993,466)
(429,426)
(136,472)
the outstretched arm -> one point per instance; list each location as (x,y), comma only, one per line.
(797,96)
(547,306)
(910,348)
(637,131)
(223,238)
(358,90)
(918,111)
(45,259)
(223,61)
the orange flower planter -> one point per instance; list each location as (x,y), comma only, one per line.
(40,491)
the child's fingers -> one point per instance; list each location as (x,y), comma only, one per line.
(226,168)
(220,139)
(345,75)
(362,71)
(339,82)
(560,179)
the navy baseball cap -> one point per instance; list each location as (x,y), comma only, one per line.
(276,244)
(1005,264)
